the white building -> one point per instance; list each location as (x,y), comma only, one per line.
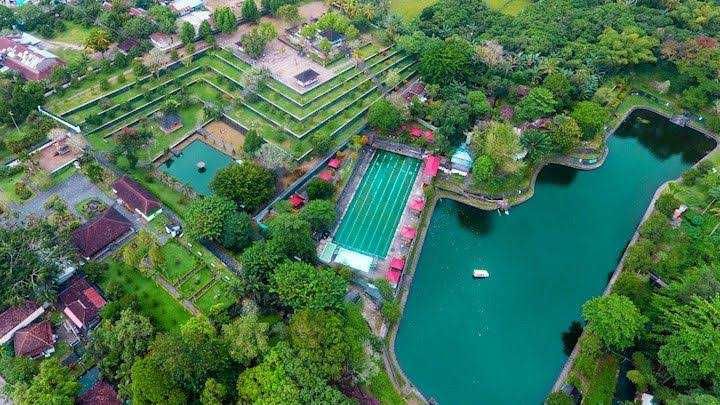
(195,19)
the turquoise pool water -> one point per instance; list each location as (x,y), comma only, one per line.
(498,340)
(184,167)
(371,219)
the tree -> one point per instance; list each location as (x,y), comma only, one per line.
(500,142)
(248,184)
(98,40)
(391,311)
(565,133)
(116,345)
(591,118)
(213,393)
(247,338)
(560,86)
(238,231)
(325,46)
(206,217)
(54,384)
(291,237)
(224,19)
(289,13)
(691,350)
(614,319)
(385,116)
(327,342)
(629,47)
(7,18)
(320,214)
(187,33)
(559,398)
(253,141)
(164,17)
(538,103)
(129,141)
(538,143)
(318,189)
(479,105)
(301,285)
(205,32)
(250,11)
(442,62)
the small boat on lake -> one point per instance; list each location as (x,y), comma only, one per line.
(481,273)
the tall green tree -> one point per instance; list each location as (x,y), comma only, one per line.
(248,184)
(54,384)
(187,33)
(206,217)
(224,19)
(320,214)
(250,11)
(591,118)
(442,62)
(385,116)
(301,285)
(291,237)
(539,102)
(614,319)
(247,338)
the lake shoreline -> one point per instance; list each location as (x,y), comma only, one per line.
(403,384)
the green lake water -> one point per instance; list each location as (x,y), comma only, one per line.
(184,167)
(498,340)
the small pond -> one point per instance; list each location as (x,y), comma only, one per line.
(499,340)
(184,167)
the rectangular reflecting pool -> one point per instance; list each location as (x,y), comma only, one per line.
(371,219)
(499,340)
(185,166)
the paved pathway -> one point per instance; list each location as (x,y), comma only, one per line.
(176,294)
(74,190)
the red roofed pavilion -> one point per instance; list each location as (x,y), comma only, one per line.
(98,233)
(408,232)
(102,393)
(81,303)
(417,204)
(335,163)
(326,175)
(432,164)
(393,276)
(296,200)
(135,197)
(397,263)
(34,341)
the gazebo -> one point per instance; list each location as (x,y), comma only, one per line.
(335,163)
(417,204)
(326,175)
(408,232)
(296,200)
(393,276)
(397,263)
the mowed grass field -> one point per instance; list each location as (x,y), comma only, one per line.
(412,8)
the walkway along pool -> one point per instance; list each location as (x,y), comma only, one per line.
(184,167)
(498,340)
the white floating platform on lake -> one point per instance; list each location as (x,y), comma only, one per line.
(480,273)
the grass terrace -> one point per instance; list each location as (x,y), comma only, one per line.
(285,117)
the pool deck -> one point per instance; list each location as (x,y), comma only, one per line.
(398,245)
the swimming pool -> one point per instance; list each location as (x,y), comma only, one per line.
(371,219)
(184,167)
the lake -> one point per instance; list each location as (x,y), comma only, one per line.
(498,340)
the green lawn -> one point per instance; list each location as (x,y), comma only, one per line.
(219,293)
(195,282)
(178,261)
(410,8)
(7,188)
(153,302)
(74,34)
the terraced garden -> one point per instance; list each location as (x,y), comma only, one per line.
(285,117)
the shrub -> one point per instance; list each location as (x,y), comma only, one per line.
(22,190)
(319,189)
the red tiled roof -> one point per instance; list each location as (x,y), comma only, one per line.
(393,276)
(326,175)
(432,164)
(416,132)
(335,163)
(12,317)
(96,234)
(417,204)
(33,340)
(397,263)
(102,393)
(296,201)
(408,232)
(27,60)
(135,195)
(80,301)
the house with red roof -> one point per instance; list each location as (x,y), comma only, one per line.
(101,393)
(94,237)
(431,167)
(35,341)
(31,62)
(136,198)
(18,317)
(81,303)
(296,201)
